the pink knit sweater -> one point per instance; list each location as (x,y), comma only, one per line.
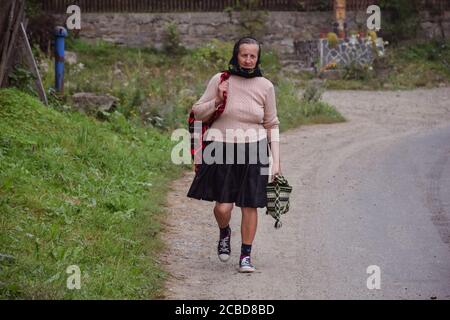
(250,113)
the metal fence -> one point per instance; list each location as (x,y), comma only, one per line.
(198,5)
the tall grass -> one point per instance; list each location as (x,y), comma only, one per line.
(75,191)
(294,111)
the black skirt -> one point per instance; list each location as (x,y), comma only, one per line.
(233,173)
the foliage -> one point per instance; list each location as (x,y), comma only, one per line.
(23,79)
(407,66)
(40,30)
(171,42)
(213,55)
(75,191)
(293,111)
(320,5)
(332,39)
(402,21)
(313,91)
(33,8)
(426,63)
(252,21)
(357,71)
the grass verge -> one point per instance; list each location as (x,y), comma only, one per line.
(75,191)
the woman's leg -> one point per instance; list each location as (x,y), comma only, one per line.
(248,231)
(222,212)
(248,225)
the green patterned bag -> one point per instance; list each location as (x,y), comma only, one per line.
(278,192)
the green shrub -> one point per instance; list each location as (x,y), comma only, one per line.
(402,20)
(214,55)
(332,39)
(293,111)
(171,41)
(313,91)
(357,71)
(23,79)
(252,21)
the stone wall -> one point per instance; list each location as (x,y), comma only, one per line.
(284,29)
(148,29)
(434,25)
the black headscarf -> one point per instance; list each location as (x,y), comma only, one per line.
(236,69)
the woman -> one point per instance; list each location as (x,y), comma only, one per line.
(242,133)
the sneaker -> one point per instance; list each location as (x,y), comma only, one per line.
(224,248)
(245,264)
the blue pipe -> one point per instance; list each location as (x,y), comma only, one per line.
(60,33)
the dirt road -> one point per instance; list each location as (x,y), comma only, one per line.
(372,191)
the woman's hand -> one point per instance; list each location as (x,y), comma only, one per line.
(222,88)
(276,170)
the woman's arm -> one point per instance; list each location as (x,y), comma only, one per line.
(208,102)
(271,124)
(276,165)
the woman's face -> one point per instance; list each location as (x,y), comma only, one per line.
(248,55)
